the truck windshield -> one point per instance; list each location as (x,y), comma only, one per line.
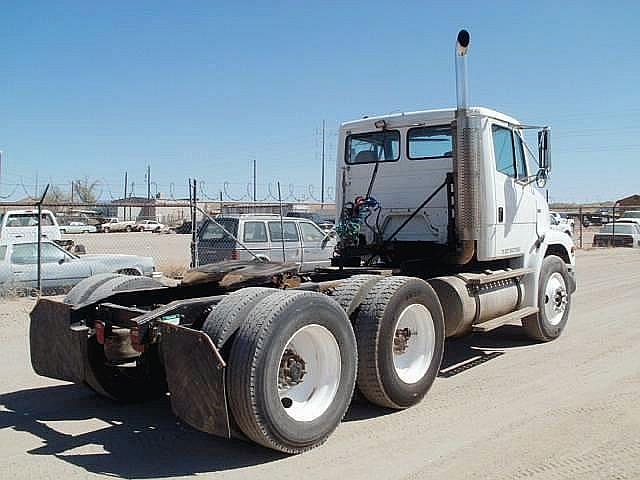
(383,146)
(28,220)
(213,232)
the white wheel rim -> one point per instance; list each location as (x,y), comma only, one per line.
(414,343)
(304,398)
(555,298)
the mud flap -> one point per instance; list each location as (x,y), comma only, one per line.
(196,379)
(58,348)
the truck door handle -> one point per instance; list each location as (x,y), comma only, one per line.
(500,214)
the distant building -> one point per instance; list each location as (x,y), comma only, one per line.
(167,211)
(631,202)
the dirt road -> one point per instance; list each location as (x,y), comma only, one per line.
(502,408)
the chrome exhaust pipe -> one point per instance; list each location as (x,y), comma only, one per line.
(462,87)
(466,168)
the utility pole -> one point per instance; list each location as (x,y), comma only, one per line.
(254,181)
(148,182)
(322,157)
(125,194)
(1,157)
(71,191)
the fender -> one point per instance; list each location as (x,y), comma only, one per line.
(552,243)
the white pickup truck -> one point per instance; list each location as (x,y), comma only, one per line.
(115,225)
(22,225)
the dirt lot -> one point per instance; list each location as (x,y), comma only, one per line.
(503,407)
(170,251)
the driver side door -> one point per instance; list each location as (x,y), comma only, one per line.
(515,199)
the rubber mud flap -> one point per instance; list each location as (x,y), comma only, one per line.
(195,375)
(58,349)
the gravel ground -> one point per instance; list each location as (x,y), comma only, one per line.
(503,407)
(170,251)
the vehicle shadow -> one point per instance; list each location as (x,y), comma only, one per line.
(148,441)
(141,440)
(462,354)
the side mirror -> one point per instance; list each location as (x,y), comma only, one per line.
(541,178)
(544,149)
(61,261)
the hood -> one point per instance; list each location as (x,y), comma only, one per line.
(118,261)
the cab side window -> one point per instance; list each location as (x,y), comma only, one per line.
(509,152)
(503,151)
(521,165)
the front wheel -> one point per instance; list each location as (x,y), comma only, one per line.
(554,301)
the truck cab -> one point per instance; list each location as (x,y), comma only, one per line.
(405,157)
(22,225)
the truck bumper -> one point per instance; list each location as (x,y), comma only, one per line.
(194,368)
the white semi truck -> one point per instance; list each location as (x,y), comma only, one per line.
(443,229)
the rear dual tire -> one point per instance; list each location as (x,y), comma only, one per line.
(400,333)
(292,370)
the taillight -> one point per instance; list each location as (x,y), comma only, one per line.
(235,255)
(99,327)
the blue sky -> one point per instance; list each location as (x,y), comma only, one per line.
(202,88)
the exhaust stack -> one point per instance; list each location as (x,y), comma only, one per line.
(466,166)
(462,87)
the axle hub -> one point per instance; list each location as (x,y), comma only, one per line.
(401,340)
(292,370)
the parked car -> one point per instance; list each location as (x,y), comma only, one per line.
(61,269)
(563,218)
(560,226)
(304,242)
(622,234)
(77,227)
(20,225)
(114,225)
(631,216)
(149,226)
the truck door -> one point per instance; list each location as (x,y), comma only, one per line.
(292,246)
(316,250)
(515,200)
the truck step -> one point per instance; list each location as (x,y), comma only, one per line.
(509,317)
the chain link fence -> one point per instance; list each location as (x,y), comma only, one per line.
(601,225)
(149,237)
(155,237)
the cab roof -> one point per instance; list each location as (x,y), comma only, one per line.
(404,119)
